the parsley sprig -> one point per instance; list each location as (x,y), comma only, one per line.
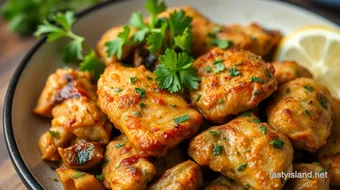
(76,50)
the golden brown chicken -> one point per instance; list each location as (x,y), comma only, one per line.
(223,183)
(329,155)
(184,176)
(206,35)
(289,70)
(245,150)
(82,156)
(301,109)
(153,119)
(77,180)
(125,168)
(58,80)
(313,177)
(232,81)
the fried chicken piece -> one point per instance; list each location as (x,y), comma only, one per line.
(50,141)
(232,81)
(125,168)
(55,82)
(315,178)
(223,183)
(245,150)
(143,112)
(289,70)
(301,110)
(184,176)
(83,118)
(329,155)
(82,156)
(76,180)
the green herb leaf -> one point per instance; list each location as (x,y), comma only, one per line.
(156,39)
(119,145)
(246,114)
(219,101)
(104,162)
(234,72)
(256,120)
(181,119)
(277,143)
(184,40)
(138,113)
(207,69)
(53,133)
(308,88)
(142,105)
(133,80)
(242,167)
(178,22)
(78,174)
(307,113)
(141,92)
(119,89)
(214,132)
(217,149)
(323,170)
(154,8)
(100,177)
(256,79)
(93,64)
(176,73)
(115,47)
(219,66)
(263,129)
(198,98)
(324,102)
(137,20)
(223,44)
(54,179)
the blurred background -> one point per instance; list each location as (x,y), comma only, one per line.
(19,19)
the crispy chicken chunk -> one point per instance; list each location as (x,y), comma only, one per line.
(223,183)
(58,80)
(245,150)
(232,81)
(329,155)
(301,110)
(315,178)
(76,180)
(154,120)
(184,176)
(125,168)
(82,156)
(289,70)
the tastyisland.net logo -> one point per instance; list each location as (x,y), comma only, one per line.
(309,175)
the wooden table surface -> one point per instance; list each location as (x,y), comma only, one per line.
(12,50)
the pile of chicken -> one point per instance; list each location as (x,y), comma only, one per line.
(251,121)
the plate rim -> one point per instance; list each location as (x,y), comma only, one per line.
(21,168)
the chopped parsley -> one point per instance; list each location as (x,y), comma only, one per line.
(324,102)
(207,69)
(214,133)
(256,79)
(277,143)
(119,89)
(138,113)
(133,80)
(53,133)
(308,88)
(100,177)
(198,98)
(246,114)
(119,145)
(233,72)
(105,162)
(223,44)
(263,129)
(219,66)
(85,155)
(242,167)
(149,78)
(217,149)
(173,105)
(78,174)
(239,63)
(141,92)
(307,113)
(220,101)
(256,120)
(323,170)
(142,105)
(181,119)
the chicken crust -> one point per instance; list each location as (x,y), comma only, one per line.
(245,81)
(329,155)
(318,181)
(301,110)
(76,180)
(125,168)
(289,70)
(223,183)
(245,150)
(184,176)
(142,111)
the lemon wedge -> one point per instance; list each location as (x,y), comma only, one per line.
(317,49)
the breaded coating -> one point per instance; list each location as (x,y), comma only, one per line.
(77,180)
(329,155)
(83,118)
(232,81)
(315,178)
(55,82)
(223,183)
(289,70)
(125,168)
(184,176)
(154,120)
(245,150)
(48,144)
(301,109)
(82,156)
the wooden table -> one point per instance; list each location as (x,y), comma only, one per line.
(12,50)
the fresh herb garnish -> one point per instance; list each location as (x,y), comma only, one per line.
(133,80)
(104,162)
(141,92)
(233,72)
(53,133)
(181,119)
(219,101)
(54,179)
(277,143)
(100,177)
(214,132)
(219,66)
(323,170)
(263,129)
(78,174)
(217,149)
(239,63)
(242,167)
(119,145)
(307,113)
(256,79)
(138,113)
(175,73)
(115,47)
(246,114)
(198,98)
(324,102)
(308,88)
(207,69)
(256,120)
(142,105)
(119,89)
